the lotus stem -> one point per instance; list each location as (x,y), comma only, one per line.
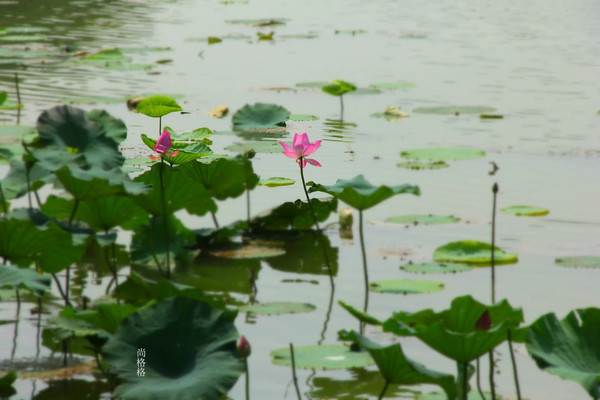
(164,212)
(159,126)
(16,332)
(478,377)
(17,88)
(495,193)
(364,258)
(387,383)
(60,290)
(37,198)
(39,327)
(341,108)
(492,385)
(3,200)
(514,365)
(152,249)
(464,381)
(99,363)
(294,378)
(247,378)
(248,207)
(214,218)
(73,211)
(312,211)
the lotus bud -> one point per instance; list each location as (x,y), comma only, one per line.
(484,323)
(243,347)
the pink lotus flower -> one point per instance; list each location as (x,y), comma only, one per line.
(301,147)
(163,145)
(243,347)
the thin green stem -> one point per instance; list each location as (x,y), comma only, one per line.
(3,200)
(464,381)
(479,381)
(152,249)
(387,383)
(294,371)
(214,218)
(365,269)
(60,290)
(73,212)
(514,365)
(248,206)
(96,353)
(495,192)
(247,378)
(492,384)
(341,108)
(68,276)
(164,212)
(159,126)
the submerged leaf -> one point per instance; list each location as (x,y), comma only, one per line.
(425,219)
(454,110)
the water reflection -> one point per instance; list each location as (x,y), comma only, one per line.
(74,389)
(304,254)
(337,127)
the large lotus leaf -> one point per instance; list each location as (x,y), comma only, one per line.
(569,348)
(338,87)
(178,190)
(157,106)
(397,368)
(322,357)
(23,277)
(453,332)
(360,194)
(107,317)
(102,214)
(69,129)
(190,351)
(95,183)
(14,185)
(6,388)
(305,254)
(115,128)
(259,116)
(23,242)
(149,242)
(223,178)
(472,252)
(296,215)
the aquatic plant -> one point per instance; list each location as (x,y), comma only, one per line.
(163,146)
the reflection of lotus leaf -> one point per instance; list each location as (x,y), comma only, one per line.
(189,347)
(569,348)
(423,165)
(363,384)
(304,255)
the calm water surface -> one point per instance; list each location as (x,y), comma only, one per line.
(537,63)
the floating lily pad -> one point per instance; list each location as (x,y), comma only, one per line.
(322,357)
(436,267)
(261,146)
(406,286)
(491,116)
(472,252)
(109,55)
(248,251)
(426,219)
(423,165)
(276,181)
(260,116)
(277,307)
(392,86)
(359,91)
(302,117)
(259,22)
(454,110)
(530,211)
(579,261)
(312,85)
(300,36)
(444,154)
(350,32)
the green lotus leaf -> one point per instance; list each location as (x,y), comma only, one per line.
(296,215)
(359,314)
(16,133)
(3,97)
(423,165)
(302,117)
(472,252)
(425,219)
(360,194)
(23,242)
(397,368)
(65,320)
(16,278)
(530,211)
(107,317)
(305,253)
(277,308)
(95,183)
(338,87)
(223,178)
(179,192)
(108,54)
(149,242)
(454,110)
(322,357)
(197,135)
(53,339)
(442,154)
(187,151)
(190,352)
(157,106)
(114,128)
(6,388)
(569,348)
(406,286)
(436,267)
(262,146)
(15,185)
(276,181)
(93,137)
(101,214)
(259,116)
(491,116)
(579,261)
(453,332)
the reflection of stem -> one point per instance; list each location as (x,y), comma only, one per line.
(164,211)
(18,98)
(479,382)
(247,378)
(152,249)
(294,371)
(364,257)
(514,365)
(60,290)
(327,316)
(341,108)
(492,387)
(387,383)
(14,348)
(68,277)
(214,218)
(39,326)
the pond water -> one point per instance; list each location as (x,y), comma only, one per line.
(537,63)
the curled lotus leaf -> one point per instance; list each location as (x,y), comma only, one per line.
(338,87)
